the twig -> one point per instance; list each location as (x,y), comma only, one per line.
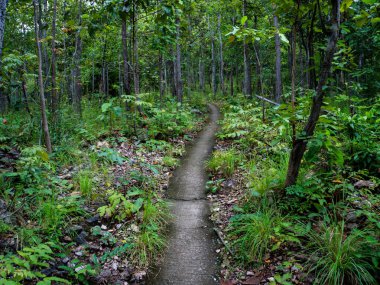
(218,233)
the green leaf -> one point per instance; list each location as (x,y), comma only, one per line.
(244,20)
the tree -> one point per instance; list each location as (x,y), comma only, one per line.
(278,91)
(3,8)
(45,125)
(247,66)
(300,144)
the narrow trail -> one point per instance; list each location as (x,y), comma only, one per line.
(190,257)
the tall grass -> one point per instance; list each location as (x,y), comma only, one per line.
(268,174)
(339,258)
(225,162)
(253,234)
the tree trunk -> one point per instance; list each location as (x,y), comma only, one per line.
(136,72)
(45,125)
(213,63)
(201,71)
(3,8)
(179,84)
(77,84)
(221,56)
(126,81)
(162,83)
(259,86)
(310,47)
(24,91)
(278,91)
(54,93)
(247,67)
(299,146)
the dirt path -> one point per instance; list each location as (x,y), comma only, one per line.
(190,257)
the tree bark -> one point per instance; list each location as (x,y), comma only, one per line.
(259,85)
(179,84)
(221,56)
(162,83)
(45,125)
(278,91)
(54,93)
(136,73)
(213,63)
(310,47)
(247,67)
(124,36)
(77,84)
(300,144)
(3,8)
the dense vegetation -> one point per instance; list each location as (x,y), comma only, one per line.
(99,98)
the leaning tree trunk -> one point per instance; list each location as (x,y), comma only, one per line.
(3,8)
(278,91)
(299,145)
(45,125)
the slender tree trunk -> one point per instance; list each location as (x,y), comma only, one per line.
(232,82)
(201,71)
(299,146)
(221,56)
(3,8)
(126,81)
(54,93)
(136,73)
(293,75)
(278,91)
(24,92)
(247,67)
(213,62)
(77,84)
(310,45)
(161,67)
(178,64)
(45,125)
(259,86)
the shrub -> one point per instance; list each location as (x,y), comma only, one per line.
(340,258)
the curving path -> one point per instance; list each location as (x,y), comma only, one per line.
(190,258)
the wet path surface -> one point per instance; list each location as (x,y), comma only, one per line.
(190,257)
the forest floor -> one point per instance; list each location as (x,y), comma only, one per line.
(190,257)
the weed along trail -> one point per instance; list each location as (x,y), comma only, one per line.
(190,257)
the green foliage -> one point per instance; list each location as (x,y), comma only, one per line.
(86,184)
(341,258)
(26,265)
(111,156)
(147,244)
(266,175)
(169,161)
(106,237)
(225,162)
(255,234)
(120,207)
